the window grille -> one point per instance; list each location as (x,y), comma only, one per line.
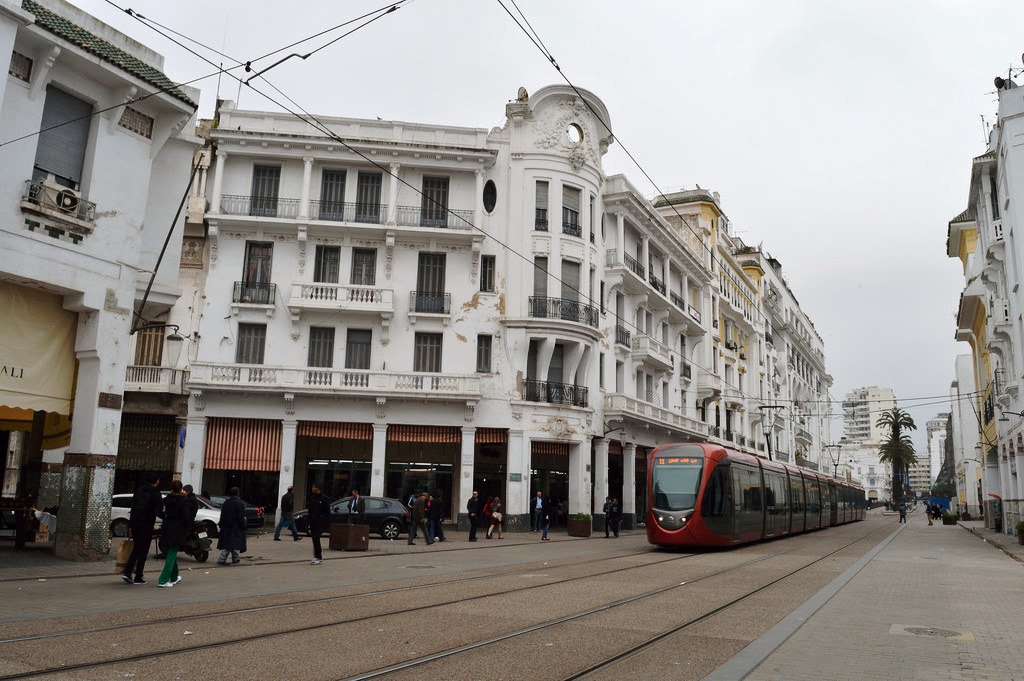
(21,67)
(137,122)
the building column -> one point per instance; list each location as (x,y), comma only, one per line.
(289,431)
(628,500)
(464,490)
(378,464)
(579,477)
(600,476)
(392,216)
(515,498)
(195,445)
(218,182)
(478,213)
(645,255)
(620,231)
(307,174)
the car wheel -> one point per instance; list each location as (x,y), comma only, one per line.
(390,529)
(210,528)
(119,528)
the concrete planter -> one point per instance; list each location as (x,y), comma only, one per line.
(579,528)
(949,521)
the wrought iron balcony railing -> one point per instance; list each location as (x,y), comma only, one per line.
(563,308)
(338,211)
(414,216)
(622,335)
(658,285)
(430,302)
(540,220)
(634,267)
(59,200)
(572,229)
(554,393)
(255,293)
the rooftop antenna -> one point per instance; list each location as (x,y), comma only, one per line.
(223,46)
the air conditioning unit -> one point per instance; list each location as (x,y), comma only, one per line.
(59,197)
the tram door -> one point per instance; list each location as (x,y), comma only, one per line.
(748,505)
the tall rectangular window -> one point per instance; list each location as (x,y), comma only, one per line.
(63,138)
(540,287)
(256,287)
(487,272)
(251,341)
(590,219)
(368,189)
(332,195)
(571,211)
(430,275)
(541,219)
(321,346)
(149,347)
(325,270)
(357,349)
(570,280)
(600,370)
(483,354)
(434,203)
(266,183)
(427,353)
(364,266)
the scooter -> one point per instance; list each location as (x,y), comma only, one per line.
(197,544)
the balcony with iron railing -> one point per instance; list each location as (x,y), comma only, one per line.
(687,371)
(677,300)
(658,285)
(555,393)
(540,219)
(572,228)
(619,406)
(436,217)
(338,211)
(622,335)
(155,380)
(633,266)
(61,204)
(563,308)
(254,293)
(430,302)
(350,297)
(331,381)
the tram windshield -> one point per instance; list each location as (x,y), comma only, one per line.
(676,482)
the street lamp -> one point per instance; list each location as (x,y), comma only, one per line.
(835,452)
(769,414)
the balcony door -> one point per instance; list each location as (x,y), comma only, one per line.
(266,183)
(332,195)
(368,189)
(63,138)
(430,283)
(434,206)
(256,277)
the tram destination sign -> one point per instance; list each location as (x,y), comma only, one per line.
(678,461)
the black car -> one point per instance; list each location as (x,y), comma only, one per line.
(253,514)
(387,517)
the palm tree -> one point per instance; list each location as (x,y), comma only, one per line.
(897,450)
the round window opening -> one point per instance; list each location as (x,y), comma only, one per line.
(490,196)
(575,133)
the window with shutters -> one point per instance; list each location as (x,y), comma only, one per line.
(540,287)
(137,122)
(364,266)
(483,354)
(368,188)
(256,286)
(321,346)
(251,341)
(266,183)
(571,211)
(357,349)
(149,347)
(541,219)
(487,273)
(570,280)
(434,203)
(332,195)
(590,218)
(327,265)
(427,353)
(21,67)
(430,295)
(63,138)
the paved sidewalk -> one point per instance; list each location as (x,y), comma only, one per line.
(934,603)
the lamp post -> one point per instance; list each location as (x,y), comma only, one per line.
(835,452)
(769,414)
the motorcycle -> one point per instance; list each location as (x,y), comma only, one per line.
(197,544)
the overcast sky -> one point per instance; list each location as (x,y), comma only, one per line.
(839,134)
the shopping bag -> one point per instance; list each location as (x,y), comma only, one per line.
(124,552)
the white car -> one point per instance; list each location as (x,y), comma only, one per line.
(121,506)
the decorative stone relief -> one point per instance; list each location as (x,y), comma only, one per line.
(192,254)
(389,254)
(470,411)
(289,404)
(382,411)
(551,134)
(198,400)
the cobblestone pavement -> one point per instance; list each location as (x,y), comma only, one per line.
(933,603)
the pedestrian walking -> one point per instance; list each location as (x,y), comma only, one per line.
(929,512)
(473,513)
(496,519)
(231,538)
(287,519)
(172,533)
(356,509)
(607,510)
(536,512)
(435,517)
(319,509)
(147,506)
(903,512)
(546,511)
(419,521)
(616,514)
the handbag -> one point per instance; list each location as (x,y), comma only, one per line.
(497,516)
(124,552)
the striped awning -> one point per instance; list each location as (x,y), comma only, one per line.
(558,448)
(148,442)
(243,444)
(491,436)
(336,430)
(445,434)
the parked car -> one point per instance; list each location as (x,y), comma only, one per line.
(121,506)
(253,514)
(387,517)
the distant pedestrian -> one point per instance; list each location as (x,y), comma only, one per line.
(616,513)
(546,511)
(172,533)
(435,517)
(607,510)
(287,519)
(231,538)
(536,512)
(147,506)
(929,512)
(356,509)
(319,509)
(497,518)
(903,512)
(419,522)
(473,513)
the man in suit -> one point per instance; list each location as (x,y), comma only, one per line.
(473,511)
(356,509)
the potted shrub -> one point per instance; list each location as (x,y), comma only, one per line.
(949,518)
(1019,527)
(579,525)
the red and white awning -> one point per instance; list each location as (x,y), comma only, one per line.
(336,430)
(243,444)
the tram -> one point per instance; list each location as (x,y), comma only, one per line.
(701,494)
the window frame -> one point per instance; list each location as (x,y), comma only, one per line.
(484,353)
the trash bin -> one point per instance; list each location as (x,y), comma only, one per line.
(346,537)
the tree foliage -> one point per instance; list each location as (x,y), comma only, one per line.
(898,449)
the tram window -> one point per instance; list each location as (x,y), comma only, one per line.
(676,485)
(716,497)
(751,491)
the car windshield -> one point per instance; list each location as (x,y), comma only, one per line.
(676,480)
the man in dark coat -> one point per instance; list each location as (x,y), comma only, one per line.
(419,510)
(191,504)
(473,511)
(233,524)
(435,516)
(147,505)
(319,509)
(356,509)
(287,506)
